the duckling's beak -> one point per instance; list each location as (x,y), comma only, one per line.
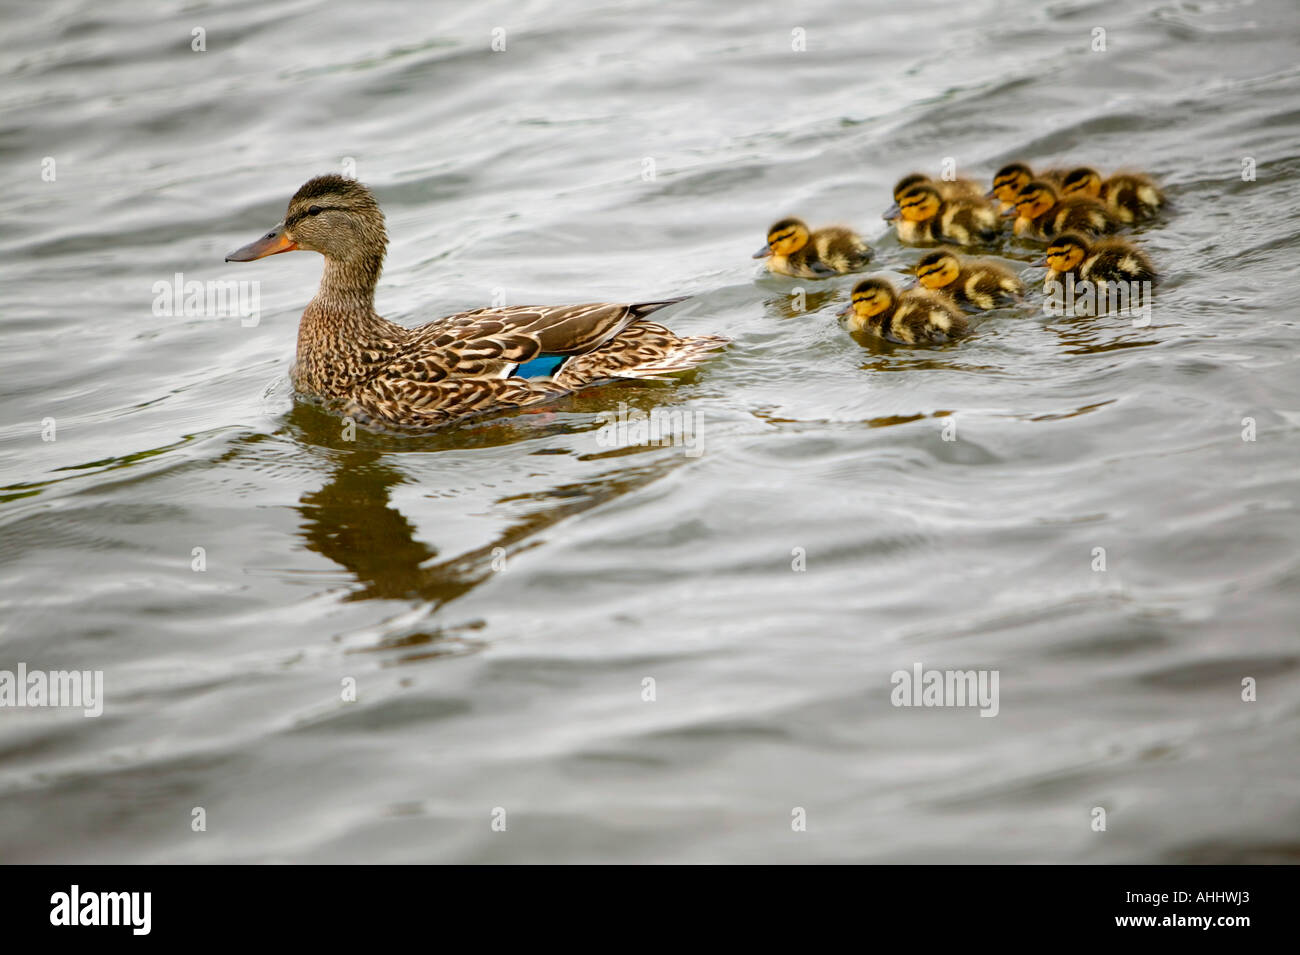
(845,311)
(911,285)
(274,241)
(1039,263)
(892,213)
(762,253)
(991,194)
(1009,212)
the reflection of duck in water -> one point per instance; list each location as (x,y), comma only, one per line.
(352,522)
(464,364)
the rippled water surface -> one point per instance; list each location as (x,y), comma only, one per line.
(500,592)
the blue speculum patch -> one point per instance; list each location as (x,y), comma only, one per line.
(540,367)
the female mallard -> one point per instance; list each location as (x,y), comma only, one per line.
(971,283)
(917,316)
(923,215)
(1130,196)
(1110,260)
(1042,214)
(794,249)
(472,362)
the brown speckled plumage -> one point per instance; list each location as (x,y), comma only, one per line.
(387,375)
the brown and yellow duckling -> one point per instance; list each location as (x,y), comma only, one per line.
(794,249)
(1014,176)
(971,283)
(388,376)
(914,317)
(947,188)
(1108,260)
(1041,213)
(1130,196)
(921,214)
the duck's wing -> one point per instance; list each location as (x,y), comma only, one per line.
(492,342)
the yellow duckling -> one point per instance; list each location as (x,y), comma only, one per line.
(1041,214)
(1110,260)
(1014,176)
(917,316)
(1130,196)
(921,214)
(971,283)
(794,249)
(948,188)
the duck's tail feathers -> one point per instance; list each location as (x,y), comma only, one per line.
(682,355)
(644,350)
(642,309)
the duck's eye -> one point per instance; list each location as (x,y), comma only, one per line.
(315,211)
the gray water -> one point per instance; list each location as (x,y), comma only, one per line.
(500,591)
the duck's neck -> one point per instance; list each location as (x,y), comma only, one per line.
(342,341)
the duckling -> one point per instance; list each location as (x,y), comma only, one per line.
(923,215)
(948,188)
(1041,214)
(1011,178)
(971,283)
(917,316)
(1130,196)
(794,249)
(1110,260)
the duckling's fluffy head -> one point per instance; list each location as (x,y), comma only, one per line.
(785,238)
(911,179)
(938,269)
(1082,182)
(919,202)
(871,297)
(1035,198)
(337,217)
(1066,251)
(1009,180)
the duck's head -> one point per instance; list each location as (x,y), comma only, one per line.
(1033,200)
(1066,251)
(332,215)
(870,297)
(785,238)
(938,269)
(913,179)
(916,203)
(1009,180)
(1082,182)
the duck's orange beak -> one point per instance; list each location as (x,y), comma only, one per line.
(274,241)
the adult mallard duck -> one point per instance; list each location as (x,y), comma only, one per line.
(386,375)
(794,249)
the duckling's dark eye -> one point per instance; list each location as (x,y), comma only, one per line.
(315,211)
